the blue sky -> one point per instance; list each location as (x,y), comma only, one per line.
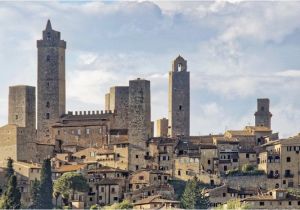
(236,51)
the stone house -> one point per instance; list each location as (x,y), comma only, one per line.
(274,199)
(280,160)
(156,202)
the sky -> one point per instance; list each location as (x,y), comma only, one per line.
(236,52)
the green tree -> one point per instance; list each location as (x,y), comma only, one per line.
(70,183)
(46,186)
(9,168)
(202,201)
(12,196)
(35,194)
(125,204)
(233,204)
(189,196)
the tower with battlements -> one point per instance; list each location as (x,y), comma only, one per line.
(263,114)
(179,98)
(51,103)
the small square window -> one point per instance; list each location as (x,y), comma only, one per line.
(261,203)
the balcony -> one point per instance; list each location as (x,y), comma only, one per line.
(273,176)
(288,175)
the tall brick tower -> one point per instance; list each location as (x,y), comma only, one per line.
(263,114)
(51,81)
(179,98)
(139,122)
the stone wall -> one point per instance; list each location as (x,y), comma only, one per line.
(245,181)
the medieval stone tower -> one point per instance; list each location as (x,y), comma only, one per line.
(51,81)
(21,107)
(179,98)
(263,114)
(139,124)
(21,131)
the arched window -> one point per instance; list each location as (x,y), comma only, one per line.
(48,36)
(48,104)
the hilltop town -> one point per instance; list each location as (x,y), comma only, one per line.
(120,157)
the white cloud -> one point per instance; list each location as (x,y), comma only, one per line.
(236,52)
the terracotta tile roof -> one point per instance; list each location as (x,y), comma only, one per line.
(239,133)
(154,199)
(85,152)
(28,165)
(208,146)
(109,181)
(69,168)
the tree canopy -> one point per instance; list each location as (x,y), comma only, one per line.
(69,183)
(9,168)
(193,196)
(12,196)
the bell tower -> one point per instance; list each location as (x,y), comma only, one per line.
(179,98)
(51,81)
(263,114)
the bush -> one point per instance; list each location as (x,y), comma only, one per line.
(93,207)
(245,171)
(247,168)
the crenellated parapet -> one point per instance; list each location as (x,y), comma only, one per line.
(91,113)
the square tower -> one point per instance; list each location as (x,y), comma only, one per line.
(162,127)
(179,98)
(51,81)
(21,106)
(139,122)
(263,114)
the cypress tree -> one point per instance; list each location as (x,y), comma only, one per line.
(46,187)
(189,196)
(12,195)
(9,168)
(35,195)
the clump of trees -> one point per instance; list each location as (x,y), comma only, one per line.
(68,184)
(193,196)
(11,198)
(125,204)
(233,204)
(246,170)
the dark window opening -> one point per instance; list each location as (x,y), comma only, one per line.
(180,107)
(48,58)
(48,104)
(48,116)
(288,159)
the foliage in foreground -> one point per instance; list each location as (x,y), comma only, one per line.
(125,204)
(46,186)
(70,183)
(193,196)
(12,196)
(233,204)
